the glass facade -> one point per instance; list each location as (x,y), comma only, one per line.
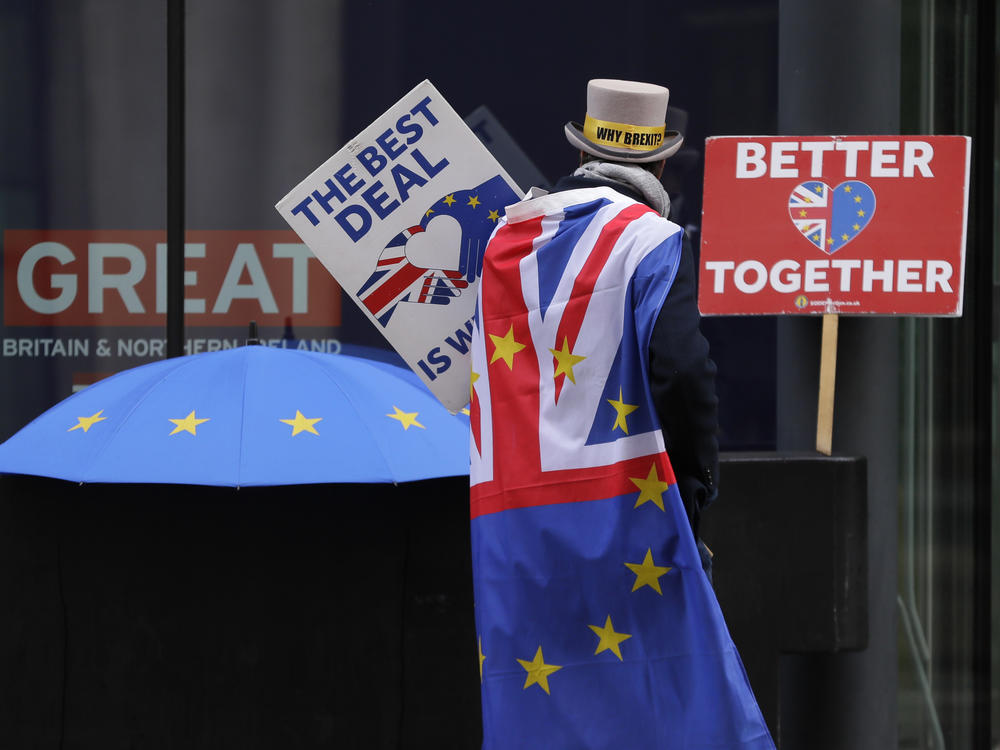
(83,153)
(84,188)
(949,408)
(273,88)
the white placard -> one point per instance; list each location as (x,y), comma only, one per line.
(401,216)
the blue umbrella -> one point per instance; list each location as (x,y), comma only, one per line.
(249,416)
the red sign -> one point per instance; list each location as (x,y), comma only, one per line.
(851,225)
(119,278)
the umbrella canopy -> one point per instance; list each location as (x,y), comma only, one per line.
(249,416)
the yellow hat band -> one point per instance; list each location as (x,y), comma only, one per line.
(623,135)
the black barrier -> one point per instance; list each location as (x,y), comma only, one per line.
(151,616)
(791,570)
(326,616)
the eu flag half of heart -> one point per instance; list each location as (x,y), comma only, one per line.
(597,626)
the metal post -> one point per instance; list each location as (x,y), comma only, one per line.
(175,178)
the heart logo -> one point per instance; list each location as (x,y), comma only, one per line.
(831,217)
(438,245)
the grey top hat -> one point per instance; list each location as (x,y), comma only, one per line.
(625,121)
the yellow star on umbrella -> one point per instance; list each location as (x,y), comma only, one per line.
(650,489)
(493,215)
(610,640)
(85,423)
(407,419)
(473,201)
(448,199)
(188,424)
(647,573)
(301,423)
(565,361)
(538,671)
(622,410)
(505,347)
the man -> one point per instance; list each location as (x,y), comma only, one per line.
(597,626)
(681,375)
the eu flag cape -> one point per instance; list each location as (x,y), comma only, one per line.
(597,626)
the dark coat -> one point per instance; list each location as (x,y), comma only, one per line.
(681,378)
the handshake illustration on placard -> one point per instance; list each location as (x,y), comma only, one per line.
(436,260)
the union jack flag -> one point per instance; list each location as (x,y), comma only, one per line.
(811,211)
(597,626)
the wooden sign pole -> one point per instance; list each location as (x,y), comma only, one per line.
(827,381)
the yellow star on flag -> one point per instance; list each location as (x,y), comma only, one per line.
(188,424)
(429,212)
(816,237)
(623,410)
(802,213)
(857,199)
(472,383)
(473,201)
(538,671)
(647,574)
(85,423)
(565,361)
(302,423)
(506,347)
(856,227)
(610,640)
(847,188)
(448,200)
(819,189)
(493,215)
(650,489)
(861,212)
(482,658)
(407,419)
(829,240)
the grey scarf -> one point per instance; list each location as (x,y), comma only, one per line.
(634,177)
